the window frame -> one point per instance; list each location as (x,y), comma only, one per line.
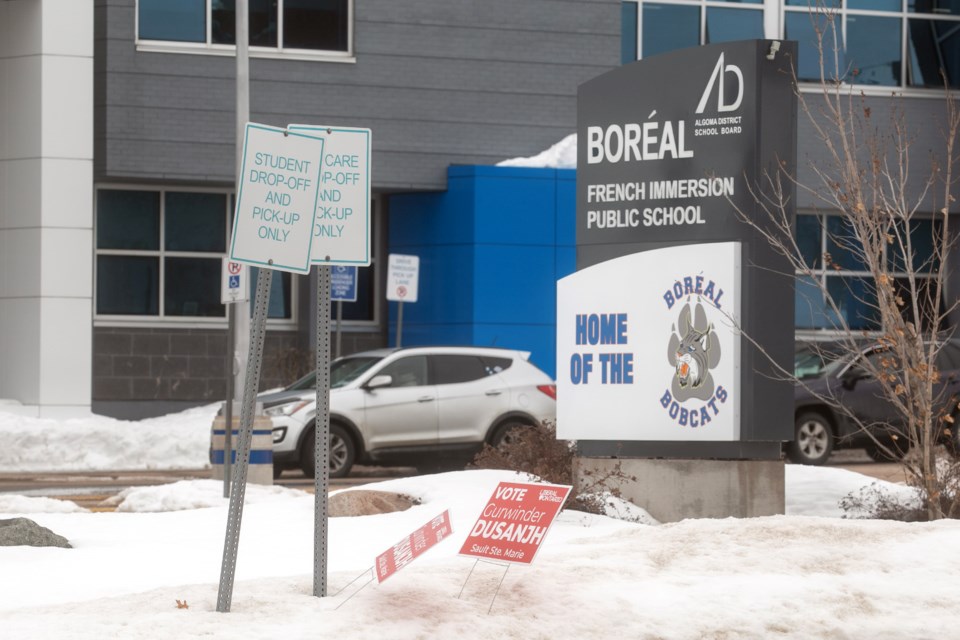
(704,5)
(279,52)
(822,272)
(774,21)
(161,253)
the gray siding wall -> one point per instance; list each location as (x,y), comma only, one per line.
(439,82)
(925,122)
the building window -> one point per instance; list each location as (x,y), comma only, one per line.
(315,26)
(894,43)
(886,43)
(651,28)
(827,246)
(158,256)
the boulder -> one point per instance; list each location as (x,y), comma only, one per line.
(25,532)
(366,503)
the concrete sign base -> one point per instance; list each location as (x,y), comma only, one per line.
(673,490)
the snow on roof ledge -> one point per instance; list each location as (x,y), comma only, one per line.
(562,155)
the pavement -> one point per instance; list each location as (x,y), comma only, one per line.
(91,489)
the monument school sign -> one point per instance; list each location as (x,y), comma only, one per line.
(648,329)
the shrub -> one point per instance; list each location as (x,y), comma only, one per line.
(537,452)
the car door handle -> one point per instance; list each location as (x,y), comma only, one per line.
(494,392)
(425,399)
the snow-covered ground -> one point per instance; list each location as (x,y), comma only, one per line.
(807,574)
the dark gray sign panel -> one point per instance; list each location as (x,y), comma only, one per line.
(668,149)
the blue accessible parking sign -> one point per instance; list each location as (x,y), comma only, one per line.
(343,283)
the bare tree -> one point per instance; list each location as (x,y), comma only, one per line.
(869,181)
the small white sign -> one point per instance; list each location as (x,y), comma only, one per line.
(403,275)
(277,199)
(234,285)
(655,359)
(341,232)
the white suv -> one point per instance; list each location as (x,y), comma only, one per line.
(421,406)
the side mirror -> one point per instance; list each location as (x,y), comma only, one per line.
(377,382)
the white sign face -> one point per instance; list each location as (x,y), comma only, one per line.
(403,275)
(647,349)
(234,285)
(277,199)
(341,233)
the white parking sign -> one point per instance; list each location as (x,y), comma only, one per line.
(277,199)
(403,276)
(341,233)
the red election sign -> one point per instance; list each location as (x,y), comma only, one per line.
(404,552)
(515,521)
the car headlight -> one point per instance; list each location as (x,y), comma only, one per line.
(287,409)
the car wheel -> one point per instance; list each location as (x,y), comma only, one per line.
(342,453)
(813,439)
(277,471)
(506,434)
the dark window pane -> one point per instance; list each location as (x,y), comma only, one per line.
(263,22)
(223,22)
(728,25)
(195,222)
(407,372)
(280,302)
(669,27)
(452,369)
(857,300)
(128,219)
(192,287)
(315,24)
(873,50)
(362,309)
(628,32)
(810,310)
(874,5)
(803,27)
(808,240)
(925,290)
(923,236)
(941,7)
(846,252)
(933,45)
(128,285)
(828,4)
(177,20)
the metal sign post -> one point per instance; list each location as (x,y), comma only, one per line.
(341,236)
(234,290)
(258,330)
(321,472)
(400,324)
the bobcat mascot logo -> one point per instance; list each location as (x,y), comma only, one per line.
(693,351)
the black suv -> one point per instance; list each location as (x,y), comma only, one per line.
(819,428)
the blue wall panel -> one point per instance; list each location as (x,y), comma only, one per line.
(491,249)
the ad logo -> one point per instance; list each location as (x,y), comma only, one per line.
(717,77)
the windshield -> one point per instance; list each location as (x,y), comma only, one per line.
(816,360)
(342,372)
(308,381)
